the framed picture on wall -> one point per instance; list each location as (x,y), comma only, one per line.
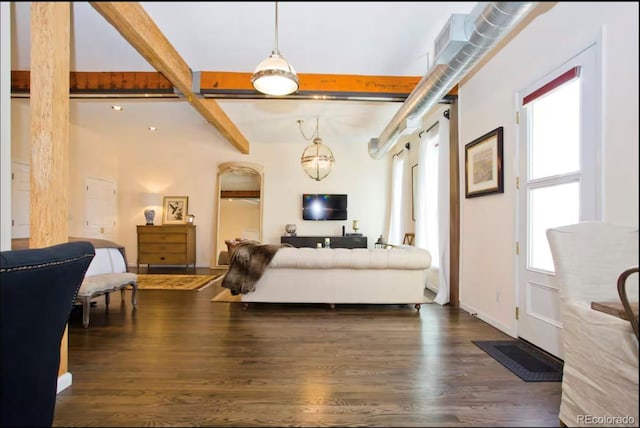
(483,165)
(175,209)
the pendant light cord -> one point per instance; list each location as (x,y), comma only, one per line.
(276,51)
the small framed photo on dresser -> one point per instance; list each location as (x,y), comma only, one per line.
(175,209)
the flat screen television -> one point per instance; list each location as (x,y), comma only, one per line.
(324,206)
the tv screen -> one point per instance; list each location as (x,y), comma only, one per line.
(324,206)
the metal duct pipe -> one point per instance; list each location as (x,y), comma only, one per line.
(486,25)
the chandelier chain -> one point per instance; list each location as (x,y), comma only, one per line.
(316,133)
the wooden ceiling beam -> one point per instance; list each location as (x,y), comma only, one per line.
(103,83)
(137,27)
(219,84)
(342,86)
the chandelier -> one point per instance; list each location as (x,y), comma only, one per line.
(317,159)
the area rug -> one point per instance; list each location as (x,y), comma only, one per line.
(175,282)
(523,359)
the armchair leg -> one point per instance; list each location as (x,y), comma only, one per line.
(106,300)
(86,306)
(417,306)
(134,292)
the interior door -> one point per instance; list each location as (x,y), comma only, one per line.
(558,131)
(20,199)
(101,207)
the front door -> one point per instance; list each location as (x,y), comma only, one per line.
(100,200)
(558,136)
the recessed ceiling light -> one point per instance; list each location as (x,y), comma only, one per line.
(152,128)
(117,108)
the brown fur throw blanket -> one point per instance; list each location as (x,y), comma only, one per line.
(248,260)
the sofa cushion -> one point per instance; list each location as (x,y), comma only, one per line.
(399,257)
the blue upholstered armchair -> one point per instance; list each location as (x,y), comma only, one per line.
(37,289)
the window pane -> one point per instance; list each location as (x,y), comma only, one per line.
(550,207)
(555,132)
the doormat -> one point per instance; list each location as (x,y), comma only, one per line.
(524,360)
(175,282)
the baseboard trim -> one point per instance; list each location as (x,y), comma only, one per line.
(64,382)
(489,320)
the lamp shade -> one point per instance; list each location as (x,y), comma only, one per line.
(275,76)
(317,160)
(151,200)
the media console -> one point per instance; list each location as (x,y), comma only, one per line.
(334,241)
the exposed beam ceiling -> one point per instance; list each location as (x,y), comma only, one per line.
(227,85)
(135,25)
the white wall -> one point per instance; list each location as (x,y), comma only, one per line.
(186,164)
(487,100)
(91,154)
(181,165)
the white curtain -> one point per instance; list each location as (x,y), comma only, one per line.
(432,216)
(396,217)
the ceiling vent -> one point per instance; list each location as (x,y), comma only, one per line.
(451,39)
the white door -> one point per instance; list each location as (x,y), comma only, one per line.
(101,207)
(20,199)
(558,140)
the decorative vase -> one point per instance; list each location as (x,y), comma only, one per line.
(290,229)
(149,215)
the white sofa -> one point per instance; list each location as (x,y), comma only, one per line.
(396,275)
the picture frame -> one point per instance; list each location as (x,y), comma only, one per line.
(414,190)
(175,209)
(484,174)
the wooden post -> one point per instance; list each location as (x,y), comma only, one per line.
(50,28)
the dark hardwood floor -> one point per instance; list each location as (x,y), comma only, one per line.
(182,360)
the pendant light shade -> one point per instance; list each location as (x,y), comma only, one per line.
(275,76)
(317,159)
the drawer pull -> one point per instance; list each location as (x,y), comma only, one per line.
(162,258)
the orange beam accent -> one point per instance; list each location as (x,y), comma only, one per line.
(103,82)
(113,81)
(222,83)
(218,82)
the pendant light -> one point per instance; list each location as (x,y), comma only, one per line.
(275,76)
(317,159)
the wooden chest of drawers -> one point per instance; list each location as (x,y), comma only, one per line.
(173,244)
